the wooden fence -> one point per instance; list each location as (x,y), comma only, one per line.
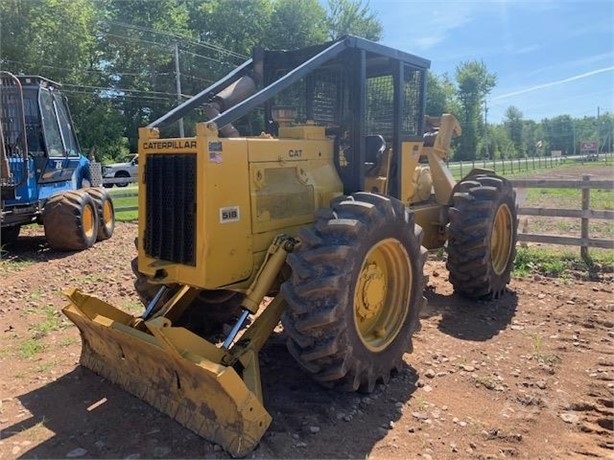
(509,166)
(585,213)
(132,193)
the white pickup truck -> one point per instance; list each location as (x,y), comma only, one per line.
(121,174)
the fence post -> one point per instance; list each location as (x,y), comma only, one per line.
(586,199)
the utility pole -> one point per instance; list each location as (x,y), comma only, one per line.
(486,129)
(178,82)
(598,144)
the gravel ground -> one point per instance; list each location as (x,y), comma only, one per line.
(530,375)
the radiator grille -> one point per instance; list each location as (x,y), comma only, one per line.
(170,231)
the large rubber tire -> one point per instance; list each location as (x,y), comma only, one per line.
(355,292)
(205,316)
(70,220)
(122,175)
(105,211)
(9,235)
(482,236)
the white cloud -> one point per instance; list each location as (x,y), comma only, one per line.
(423,24)
(525,49)
(554,83)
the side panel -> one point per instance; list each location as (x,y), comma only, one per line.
(211,203)
(58,175)
(289,180)
(410,152)
(224,201)
(240,194)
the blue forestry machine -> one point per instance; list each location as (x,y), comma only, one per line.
(44,178)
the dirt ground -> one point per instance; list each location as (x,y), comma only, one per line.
(528,376)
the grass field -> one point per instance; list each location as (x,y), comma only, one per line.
(550,260)
(120,202)
(566,198)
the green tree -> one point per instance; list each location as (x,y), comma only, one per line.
(36,39)
(235,25)
(513,124)
(296,24)
(440,95)
(352,17)
(137,40)
(559,133)
(605,132)
(532,136)
(499,142)
(474,82)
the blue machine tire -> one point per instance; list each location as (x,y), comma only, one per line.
(105,210)
(70,220)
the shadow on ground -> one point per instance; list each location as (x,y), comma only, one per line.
(81,414)
(31,248)
(468,319)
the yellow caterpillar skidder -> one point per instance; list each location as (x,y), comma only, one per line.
(329,210)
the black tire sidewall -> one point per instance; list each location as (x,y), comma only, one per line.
(100,196)
(89,202)
(122,175)
(399,345)
(505,275)
(323,334)
(471,259)
(63,219)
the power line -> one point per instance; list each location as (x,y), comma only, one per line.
(125,74)
(165,45)
(176,36)
(201,56)
(114,73)
(122,96)
(112,89)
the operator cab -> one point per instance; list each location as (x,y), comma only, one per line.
(47,119)
(37,135)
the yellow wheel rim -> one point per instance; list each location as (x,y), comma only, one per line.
(107,212)
(88,221)
(382,294)
(501,239)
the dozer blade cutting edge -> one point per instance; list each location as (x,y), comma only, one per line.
(174,370)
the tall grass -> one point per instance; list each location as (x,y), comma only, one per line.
(561,263)
(120,202)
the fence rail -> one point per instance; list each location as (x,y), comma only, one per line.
(518,165)
(509,166)
(585,213)
(125,194)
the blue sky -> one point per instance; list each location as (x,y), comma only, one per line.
(551,57)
